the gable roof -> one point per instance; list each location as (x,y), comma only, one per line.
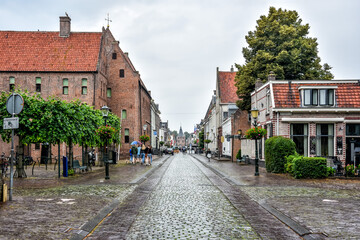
(47,51)
(287,95)
(227,88)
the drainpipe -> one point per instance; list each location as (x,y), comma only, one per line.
(277,123)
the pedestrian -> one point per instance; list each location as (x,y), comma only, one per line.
(150,152)
(138,153)
(142,151)
(146,156)
(133,153)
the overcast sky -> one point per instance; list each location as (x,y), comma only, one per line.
(176,45)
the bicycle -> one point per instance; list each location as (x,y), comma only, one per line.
(4,162)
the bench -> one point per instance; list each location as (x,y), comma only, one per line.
(76,165)
(242,159)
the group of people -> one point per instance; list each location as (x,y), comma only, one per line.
(141,153)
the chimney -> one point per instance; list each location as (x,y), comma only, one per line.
(232,68)
(258,83)
(272,76)
(65,23)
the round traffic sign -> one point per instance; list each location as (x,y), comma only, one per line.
(15,104)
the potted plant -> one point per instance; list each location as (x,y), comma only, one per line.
(144,138)
(255,133)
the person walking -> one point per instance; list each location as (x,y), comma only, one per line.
(133,153)
(146,156)
(142,151)
(150,152)
(138,154)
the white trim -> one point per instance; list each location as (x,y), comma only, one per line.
(318,87)
(312,120)
(272,96)
(351,121)
(316,109)
(268,122)
(316,81)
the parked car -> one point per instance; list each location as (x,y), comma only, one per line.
(169,151)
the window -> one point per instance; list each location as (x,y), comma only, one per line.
(299,134)
(322,97)
(127,138)
(38,84)
(226,114)
(37,146)
(122,73)
(123,114)
(352,129)
(114,55)
(310,97)
(325,139)
(326,97)
(108,92)
(84,86)
(12,83)
(65,86)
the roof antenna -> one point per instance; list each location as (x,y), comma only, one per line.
(108,20)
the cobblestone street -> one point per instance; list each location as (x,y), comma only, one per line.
(181,197)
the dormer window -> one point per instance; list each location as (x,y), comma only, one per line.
(319,97)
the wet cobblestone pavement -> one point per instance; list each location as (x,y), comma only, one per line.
(327,206)
(181,197)
(186,205)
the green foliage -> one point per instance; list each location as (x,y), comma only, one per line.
(330,171)
(161,143)
(310,167)
(276,149)
(207,141)
(279,44)
(55,121)
(350,170)
(201,139)
(255,133)
(290,162)
(238,155)
(144,138)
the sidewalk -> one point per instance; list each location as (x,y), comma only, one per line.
(327,206)
(45,207)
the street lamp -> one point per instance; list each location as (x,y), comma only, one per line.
(144,128)
(255,114)
(105,113)
(239,134)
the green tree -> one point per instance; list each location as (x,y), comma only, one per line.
(279,44)
(201,139)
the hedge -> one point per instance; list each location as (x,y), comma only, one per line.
(309,167)
(276,149)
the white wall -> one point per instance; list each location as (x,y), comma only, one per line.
(226,130)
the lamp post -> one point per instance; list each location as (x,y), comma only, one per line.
(105,113)
(255,114)
(144,128)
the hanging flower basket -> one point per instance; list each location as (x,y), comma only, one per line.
(255,133)
(144,138)
(105,132)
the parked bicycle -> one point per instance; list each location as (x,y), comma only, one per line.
(4,162)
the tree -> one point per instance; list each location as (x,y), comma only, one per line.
(279,44)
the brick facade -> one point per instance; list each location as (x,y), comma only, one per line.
(96,57)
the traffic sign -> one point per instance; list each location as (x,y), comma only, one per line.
(15,104)
(11,123)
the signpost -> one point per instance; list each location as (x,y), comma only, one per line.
(14,106)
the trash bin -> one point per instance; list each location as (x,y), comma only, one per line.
(65,166)
(113,156)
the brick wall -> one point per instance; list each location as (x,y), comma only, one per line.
(239,121)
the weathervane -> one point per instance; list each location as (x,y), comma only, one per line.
(108,20)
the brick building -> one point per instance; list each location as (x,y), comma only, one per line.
(322,117)
(89,66)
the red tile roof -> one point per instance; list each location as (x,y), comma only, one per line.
(47,51)
(288,95)
(227,87)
